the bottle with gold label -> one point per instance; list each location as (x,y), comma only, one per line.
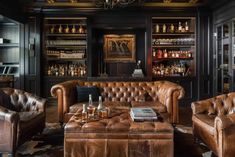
(60,30)
(172,28)
(164,28)
(157,28)
(74,29)
(67,29)
(80,30)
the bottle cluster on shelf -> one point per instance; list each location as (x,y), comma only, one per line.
(176,69)
(67,28)
(158,53)
(65,42)
(173,41)
(75,54)
(171,28)
(66,70)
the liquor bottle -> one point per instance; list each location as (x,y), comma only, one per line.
(60,30)
(66,29)
(164,28)
(165,55)
(84,113)
(74,29)
(186,27)
(180,27)
(100,106)
(80,30)
(52,30)
(154,53)
(172,28)
(157,28)
(159,54)
(90,108)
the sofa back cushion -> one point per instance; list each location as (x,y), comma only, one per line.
(5,101)
(21,100)
(84,91)
(125,91)
(219,105)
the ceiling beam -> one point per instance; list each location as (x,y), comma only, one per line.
(77,4)
(64,4)
(193,1)
(172,4)
(167,1)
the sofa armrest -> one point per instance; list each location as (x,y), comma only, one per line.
(66,95)
(224,134)
(169,94)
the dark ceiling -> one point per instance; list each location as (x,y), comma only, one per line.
(84,4)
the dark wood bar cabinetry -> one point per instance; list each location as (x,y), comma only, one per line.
(64,50)
(62,42)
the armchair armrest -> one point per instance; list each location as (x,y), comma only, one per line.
(169,94)
(66,94)
(8,115)
(224,134)
(8,129)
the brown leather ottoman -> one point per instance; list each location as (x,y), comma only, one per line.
(117,136)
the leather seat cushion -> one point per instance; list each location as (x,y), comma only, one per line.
(159,107)
(206,122)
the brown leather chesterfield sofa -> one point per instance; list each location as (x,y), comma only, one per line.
(214,123)
(163,95)
(20,121)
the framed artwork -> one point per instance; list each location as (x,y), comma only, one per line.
(120,48)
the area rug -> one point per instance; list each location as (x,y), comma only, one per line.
(47,144)
(186,134)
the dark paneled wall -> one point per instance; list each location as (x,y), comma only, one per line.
(32,55)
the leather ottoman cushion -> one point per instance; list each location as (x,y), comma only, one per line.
(159,107)
(118,136)
(119,122)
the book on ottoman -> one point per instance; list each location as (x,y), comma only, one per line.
(143,114)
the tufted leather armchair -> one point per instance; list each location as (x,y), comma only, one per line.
(214,123)
(28,118)
(163,95)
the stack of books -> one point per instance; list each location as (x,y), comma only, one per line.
(143,114)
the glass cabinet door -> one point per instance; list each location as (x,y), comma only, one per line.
(225,58)
(219,60)
(233,56)
(226,77)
